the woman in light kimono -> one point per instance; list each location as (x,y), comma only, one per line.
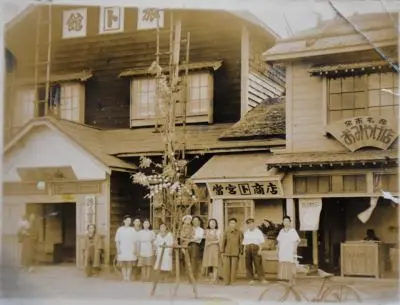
(145,250)
(164,238)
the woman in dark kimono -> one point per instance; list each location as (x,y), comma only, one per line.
(28,237)
(93,249)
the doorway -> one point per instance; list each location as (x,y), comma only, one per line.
(241,210)
(56,223)
(332,232)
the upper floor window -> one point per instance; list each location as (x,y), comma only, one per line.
(65,100)
(144,109)
(363,96)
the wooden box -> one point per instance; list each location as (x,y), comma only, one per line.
(362,259)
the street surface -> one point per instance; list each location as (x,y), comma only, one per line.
(57,285)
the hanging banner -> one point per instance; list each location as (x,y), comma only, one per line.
(74,23)
(309,210)
(147,18)
(366,215)
(111,19)
(90,210)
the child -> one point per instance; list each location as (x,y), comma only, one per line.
(93,248)
(146,239)
(163,238)
(187,231)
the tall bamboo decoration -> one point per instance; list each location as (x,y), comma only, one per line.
(168,188)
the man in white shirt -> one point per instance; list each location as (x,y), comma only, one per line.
(252,241)
(288,241)
(194,246)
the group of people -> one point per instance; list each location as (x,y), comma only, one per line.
(139,248)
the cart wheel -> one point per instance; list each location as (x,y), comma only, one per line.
(279,292)
(116,267)
(341,293)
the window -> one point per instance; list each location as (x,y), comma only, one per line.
(362,96)
(330,184)
(199,100)
(24,107)
(66,100)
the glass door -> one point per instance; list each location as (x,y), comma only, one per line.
(241,210)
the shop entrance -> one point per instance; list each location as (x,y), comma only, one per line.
(332,232)
(56,223)
(241,210)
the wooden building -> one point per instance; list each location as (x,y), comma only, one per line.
(341,140)
(78,156)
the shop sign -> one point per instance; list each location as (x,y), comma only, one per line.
(309,211)
(364,131)
(147,18)
(74,23)
(246,189)
(111,19)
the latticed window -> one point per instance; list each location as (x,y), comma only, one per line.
(366,95)
(199,98)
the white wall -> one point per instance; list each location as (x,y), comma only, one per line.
(44,147)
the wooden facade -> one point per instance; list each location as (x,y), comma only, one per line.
(92,66)
(214,35)
(320,163)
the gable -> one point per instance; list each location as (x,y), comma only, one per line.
(44,147)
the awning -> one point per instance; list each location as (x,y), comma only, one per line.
(350,68)
(81,76)
(205,65)
(235,167)
(314,159)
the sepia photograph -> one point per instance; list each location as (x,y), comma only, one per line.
(199,152)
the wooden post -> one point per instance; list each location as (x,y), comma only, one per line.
(157,277)
(177,250)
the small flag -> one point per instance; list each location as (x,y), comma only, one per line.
(388,195)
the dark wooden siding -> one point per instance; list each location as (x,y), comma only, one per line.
(264,80)
(214,36)
(126,198)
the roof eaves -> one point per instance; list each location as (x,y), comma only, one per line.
(279,57)
(19,17)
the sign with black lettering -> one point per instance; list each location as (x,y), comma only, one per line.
(364,131)
(256,189)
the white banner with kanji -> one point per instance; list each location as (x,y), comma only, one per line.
(147,18)
(310,211)
(74,23)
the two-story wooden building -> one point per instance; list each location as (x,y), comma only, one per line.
(342,105)
(72,166)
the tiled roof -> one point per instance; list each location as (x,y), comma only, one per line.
(87,137)
(336,36)
(331,158)
(199,138)
(264,121)
(246,166)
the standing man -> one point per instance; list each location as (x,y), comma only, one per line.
(194,246)
(231,249)
(253,240)
(288,241)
